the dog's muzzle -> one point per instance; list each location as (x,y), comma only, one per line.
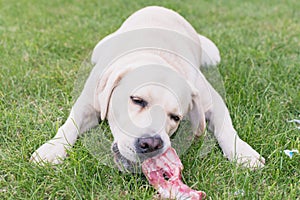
(149,145)
(145,147)
(123,163)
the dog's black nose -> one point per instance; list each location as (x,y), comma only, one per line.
(149,144)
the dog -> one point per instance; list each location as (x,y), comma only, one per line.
(146,79)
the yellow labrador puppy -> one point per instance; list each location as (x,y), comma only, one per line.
(145,81)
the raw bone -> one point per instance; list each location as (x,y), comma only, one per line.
(164,173)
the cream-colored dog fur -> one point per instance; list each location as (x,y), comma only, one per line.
(94,101)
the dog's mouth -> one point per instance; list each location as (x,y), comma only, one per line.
(126,165)
(123,163)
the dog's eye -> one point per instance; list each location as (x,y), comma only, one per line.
(139,101)
(175,118)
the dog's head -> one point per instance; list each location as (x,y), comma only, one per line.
(144,107)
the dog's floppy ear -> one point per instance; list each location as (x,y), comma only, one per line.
(108,81)
(196,113)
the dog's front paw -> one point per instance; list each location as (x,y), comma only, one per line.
(53,151)
(247,156)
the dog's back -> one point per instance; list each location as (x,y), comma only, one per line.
(159,17)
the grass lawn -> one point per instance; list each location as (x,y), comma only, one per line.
(43,44)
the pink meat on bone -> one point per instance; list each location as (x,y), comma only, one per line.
(164,174)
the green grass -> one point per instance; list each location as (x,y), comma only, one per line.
(42,46)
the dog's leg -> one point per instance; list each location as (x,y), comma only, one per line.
(235,149)
(219,121)
(83,116)
(210,54)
